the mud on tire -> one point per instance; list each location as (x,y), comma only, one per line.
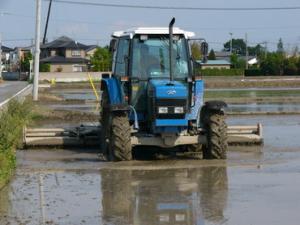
(195,151)
(216,136)
(120,148)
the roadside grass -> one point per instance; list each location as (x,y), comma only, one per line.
(12,121)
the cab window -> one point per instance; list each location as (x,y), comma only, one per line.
(122,57)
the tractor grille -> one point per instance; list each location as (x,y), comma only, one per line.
(171,104)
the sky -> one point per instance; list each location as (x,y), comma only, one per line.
(94,24)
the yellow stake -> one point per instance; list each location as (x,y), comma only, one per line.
(53,81)
(93,86)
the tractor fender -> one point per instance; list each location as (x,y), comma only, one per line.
(215,105)
(115,94)
(210,106)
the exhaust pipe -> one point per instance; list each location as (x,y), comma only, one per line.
(170,48)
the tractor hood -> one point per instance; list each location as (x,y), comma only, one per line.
(163,89)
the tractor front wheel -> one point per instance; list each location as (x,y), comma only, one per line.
(216,130)
(195,151)
(120,148)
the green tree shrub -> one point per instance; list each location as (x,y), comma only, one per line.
(44,67)
(12,122)
(101,60)
(25,62)
(211,55)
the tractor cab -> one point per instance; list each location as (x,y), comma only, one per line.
(157,75)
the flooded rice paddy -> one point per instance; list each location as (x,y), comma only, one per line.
(251,100)
(257,185)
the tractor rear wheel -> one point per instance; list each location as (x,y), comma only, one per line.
(120,148)
(216,129)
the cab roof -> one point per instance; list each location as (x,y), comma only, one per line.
(152,30)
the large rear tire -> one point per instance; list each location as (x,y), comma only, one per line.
(216,129)
(120,148)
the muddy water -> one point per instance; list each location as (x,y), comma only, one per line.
(264,107)
(254,186)
(87,99)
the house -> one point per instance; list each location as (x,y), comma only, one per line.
(66,55)
(5,52)
(90,51)
(223,55)
(17,55)
(5,57)
(215,64)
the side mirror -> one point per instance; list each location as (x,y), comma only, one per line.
(204,50)
(113,45)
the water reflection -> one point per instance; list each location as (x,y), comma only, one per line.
(261,107)
(187,196)
(115,197)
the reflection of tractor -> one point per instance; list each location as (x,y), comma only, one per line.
(154,99)
(187,196)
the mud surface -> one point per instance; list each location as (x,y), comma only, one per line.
(256,185)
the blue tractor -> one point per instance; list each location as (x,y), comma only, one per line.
(154,98)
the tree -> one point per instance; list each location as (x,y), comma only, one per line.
(212,55)
(101,60)
(295,51)
(238,46)
(236,62)
(280,48)
(273,64)
(196,50)
(290,66)
(256,50)
(25,62)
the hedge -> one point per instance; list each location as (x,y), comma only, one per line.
(254,72)
(222,72)
(44,67)
(12,121)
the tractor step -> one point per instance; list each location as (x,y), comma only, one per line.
(90,136)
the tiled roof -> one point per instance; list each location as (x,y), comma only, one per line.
(6,49)
(64,42)
(91,47)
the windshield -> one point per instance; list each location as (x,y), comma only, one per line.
(151,57)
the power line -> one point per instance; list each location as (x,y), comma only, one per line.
(15,14)
(60,20)
(177,8)
(16,40)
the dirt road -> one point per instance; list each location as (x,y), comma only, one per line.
(254,186)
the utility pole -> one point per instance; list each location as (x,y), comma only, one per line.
(266,48)
(247,53)
(37,50)
(0,56)
(47,21)
(231,43)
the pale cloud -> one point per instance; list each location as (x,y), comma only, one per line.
(72,30)
(123,24)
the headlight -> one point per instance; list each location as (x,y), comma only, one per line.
(178,110)
(162,110)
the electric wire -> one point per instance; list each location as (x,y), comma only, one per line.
(177,8)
